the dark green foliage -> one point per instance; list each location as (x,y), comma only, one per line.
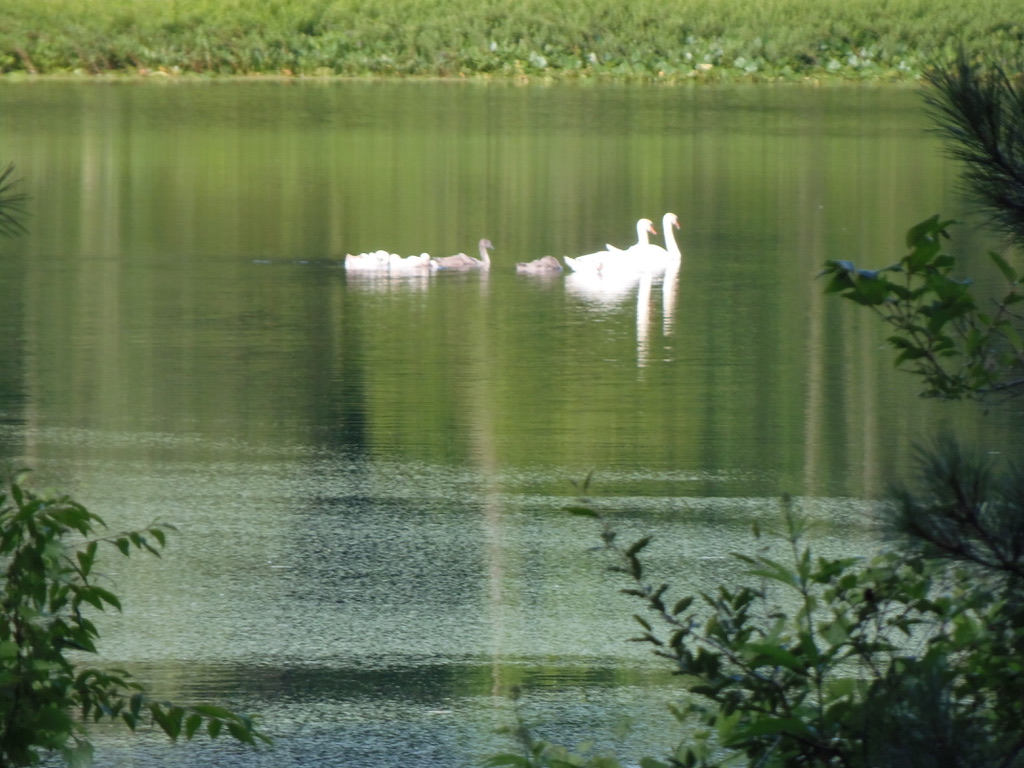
(675,41)
(959,347)
(913,657)
(978,106)
(49,585)
(12,204)
(980,502)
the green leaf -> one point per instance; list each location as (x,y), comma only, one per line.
(842,688)
(79,756)
(776,656)
(920,230)
(240,732)
(636,546)
(586,482)
(910,353)
(192,723)
(635,569)
(581,511)
(208,710)
(86,557)
(1013,337)
(135,703)
(1008,272)
(507,759)
(771,726)
(170,721)
(924,252)
(775,571)
(107,597)
(726,723)
(973,341)
(870,290)
(682,605)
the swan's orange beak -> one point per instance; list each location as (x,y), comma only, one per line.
(652,230)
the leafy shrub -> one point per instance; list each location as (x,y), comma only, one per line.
(941,330)
(913,657)
(48,585)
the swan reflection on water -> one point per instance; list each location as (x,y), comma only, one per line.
(604,291)
(603,295)
(643,320)
(396,282)
(669,285)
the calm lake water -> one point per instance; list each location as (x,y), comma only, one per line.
(366,474)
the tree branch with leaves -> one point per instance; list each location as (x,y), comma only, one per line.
(48,587)
(962,346)
(908,657)
(958,346)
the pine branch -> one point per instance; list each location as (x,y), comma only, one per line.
(980,111)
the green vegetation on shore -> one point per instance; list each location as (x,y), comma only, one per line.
(671,41)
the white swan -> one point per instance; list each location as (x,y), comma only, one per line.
(462,261)
(382,261)
(542,266)
(613,260)
(373,261)
(669,222)
(641,236)
(650,257)
(409,264)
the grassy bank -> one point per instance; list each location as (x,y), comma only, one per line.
(670,40)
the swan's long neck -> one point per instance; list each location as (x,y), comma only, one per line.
(642,228)
(484,256)
(669,223)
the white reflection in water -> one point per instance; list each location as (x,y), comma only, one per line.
(605,293)
(643,319)
(602,292)
(386,282)
(668,299)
